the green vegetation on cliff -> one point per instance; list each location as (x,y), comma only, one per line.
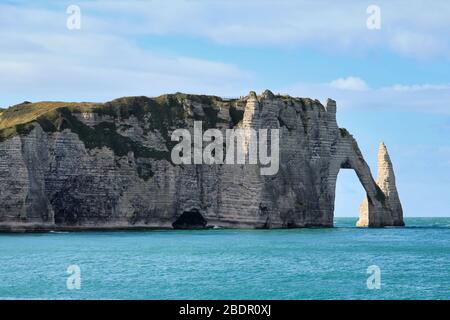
(27,112)
(161,114)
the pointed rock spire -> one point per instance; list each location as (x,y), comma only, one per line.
(386,183)
(385,176)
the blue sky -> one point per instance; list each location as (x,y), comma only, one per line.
(391,84)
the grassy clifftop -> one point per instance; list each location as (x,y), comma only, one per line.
(152,117)
(160,114)
(28,112)
(162,111)
(161,106)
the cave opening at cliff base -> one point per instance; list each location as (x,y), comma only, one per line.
(191,219)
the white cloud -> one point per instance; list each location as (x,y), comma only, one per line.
(349,83)
(427,98)
(420,87)
(49,62)
(41,59)
(418,29)
(418,44)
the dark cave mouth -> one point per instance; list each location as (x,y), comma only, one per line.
(192,219)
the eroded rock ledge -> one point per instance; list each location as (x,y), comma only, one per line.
(72,166)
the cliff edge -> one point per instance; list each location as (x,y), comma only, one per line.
(108,165)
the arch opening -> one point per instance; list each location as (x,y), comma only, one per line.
(348,194)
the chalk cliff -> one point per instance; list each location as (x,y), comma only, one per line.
(386,182)
(108,165)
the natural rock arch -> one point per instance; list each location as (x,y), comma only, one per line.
(381,207)
(45,158)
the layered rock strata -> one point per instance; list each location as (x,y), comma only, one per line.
(386,182)
(97,166)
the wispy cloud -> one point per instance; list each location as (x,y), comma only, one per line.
(419,29)
(421,87)
(40,59)
(349,83)
(354,93)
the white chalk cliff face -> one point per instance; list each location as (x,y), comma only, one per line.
(99,166)
(386,182)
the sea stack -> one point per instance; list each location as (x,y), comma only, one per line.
(386,183)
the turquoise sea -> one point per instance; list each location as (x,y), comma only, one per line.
(232,264)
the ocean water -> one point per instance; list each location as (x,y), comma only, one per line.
(414,263)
